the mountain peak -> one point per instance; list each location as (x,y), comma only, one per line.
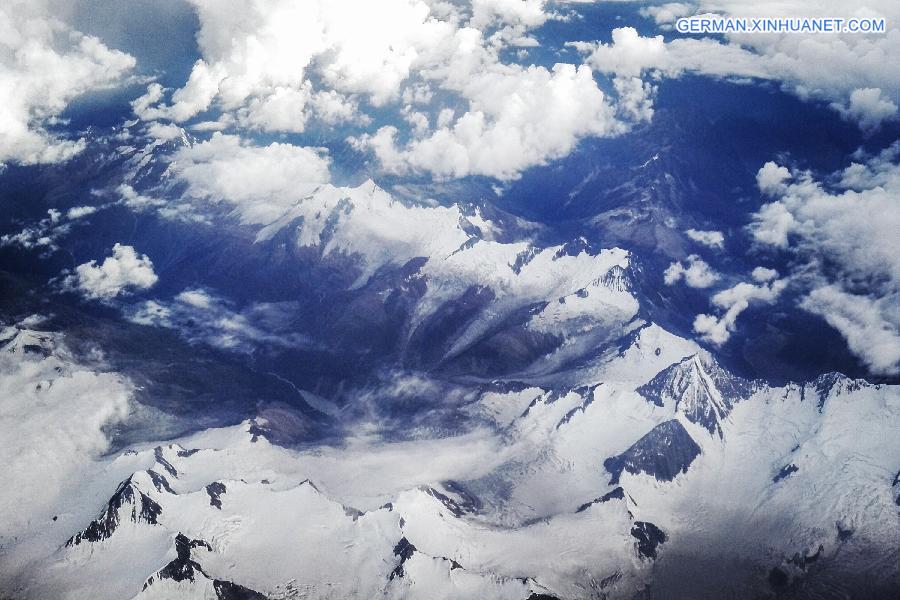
(128,503)
(698,388)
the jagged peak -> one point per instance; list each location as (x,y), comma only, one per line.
(128,495)
(163,462)
(618,279)
(307,482)
(832,385)
(182,567)
(699,388)
(458,502)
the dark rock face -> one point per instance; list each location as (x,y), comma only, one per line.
(185,568)
(35,349)
(404,549)
(664,452)
(617,279)
(804,559)
(465,500)
(143,509)
(587,394)
(182,568)
(467,503)
(832,384)
(844,533)
(648,537)
(158,455)
(225,590)
(160,482)
(616,494)
(610,580)
(785,472)
(215,491)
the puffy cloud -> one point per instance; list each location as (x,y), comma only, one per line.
(44,65)
(630,54)
(277,65)
(120,273)
(501,135)
(825,67)
(718,329)
(869,107)
(695,272)
(770,177)
(263,180)
(528,13)
(762,274)
(256,56)
(843,240)
(710,239)
(635,98)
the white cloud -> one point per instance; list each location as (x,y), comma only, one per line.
(635,98)
(695,272)
(868,324)
(43,66)
(258,54)
(499,136)
(43,234)
(771,177)
(718,329)
(120,273)
(202,317)
(630,54)
(853,72)
(843,241)
(528,13)
(78,212)
(263,180)
(869,107)
(710,239)
(762,274)
(278,66)
(181,209)
(666,14)
(164,133)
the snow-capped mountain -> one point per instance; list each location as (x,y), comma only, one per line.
(698,388)
(599,489)
(417,299)
(600,445)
